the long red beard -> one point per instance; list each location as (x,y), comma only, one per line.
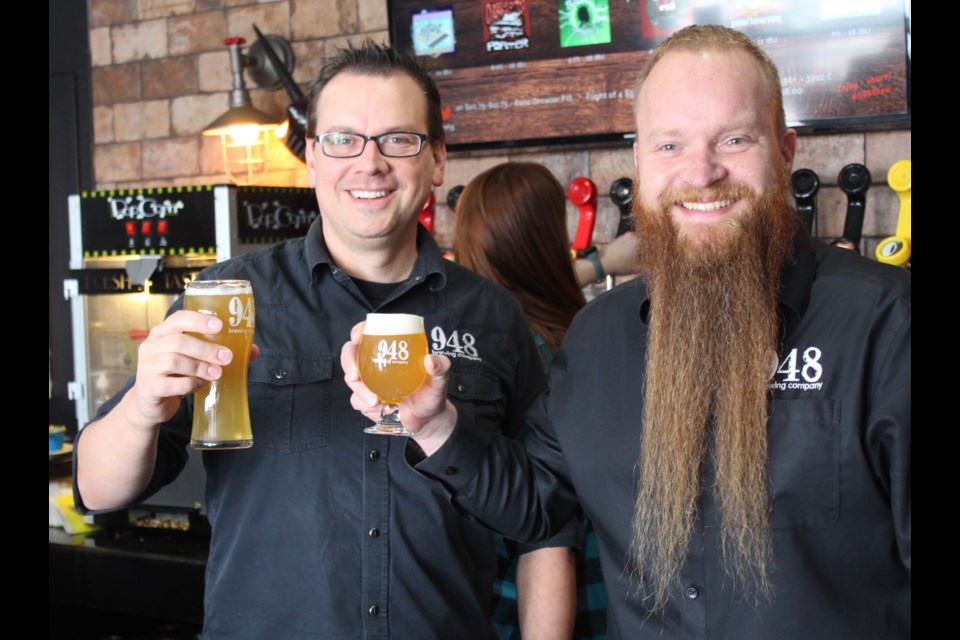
(711,344)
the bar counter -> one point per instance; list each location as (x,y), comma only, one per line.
(127,581)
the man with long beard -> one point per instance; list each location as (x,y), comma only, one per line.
(737,422)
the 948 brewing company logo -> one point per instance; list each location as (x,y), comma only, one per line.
(799,370)
(454,345)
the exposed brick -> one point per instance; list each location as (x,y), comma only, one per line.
(197,32)
(116,162)
(150,9)
(308,60)
(103,13)
(211,156)
(884,149)
(882,211)
(214,71)
(100,55)
(826,155)
(322,18)
(170,158)
(169,77)
(271,18)
(103,125)
(118,83)
(831,213)
(139,41)
(372,15)
(189,115)
(142,120)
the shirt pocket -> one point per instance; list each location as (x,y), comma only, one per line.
(804,454)
(290,401)
(477,396)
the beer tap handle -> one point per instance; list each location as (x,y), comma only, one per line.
(896,249)
(583,193)
(453,195)
(854,180)
(426,214)
(621,194)
(805,185)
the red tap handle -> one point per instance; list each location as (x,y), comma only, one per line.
(426,214)
(583,193)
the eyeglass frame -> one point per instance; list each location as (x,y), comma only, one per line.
(421,136)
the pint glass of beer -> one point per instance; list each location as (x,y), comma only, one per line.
(391,364)
(221,414)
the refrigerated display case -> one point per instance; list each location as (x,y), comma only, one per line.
(131,253)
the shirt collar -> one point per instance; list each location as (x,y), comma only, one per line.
(430,264)
(795,283)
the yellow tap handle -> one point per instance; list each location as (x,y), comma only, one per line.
(895,250)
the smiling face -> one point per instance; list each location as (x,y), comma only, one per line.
(708,145)
(371,202)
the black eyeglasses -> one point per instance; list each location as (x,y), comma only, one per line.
(394,144)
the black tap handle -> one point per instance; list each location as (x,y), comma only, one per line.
(854,180)
(805,185)
(621,194)
(453,195)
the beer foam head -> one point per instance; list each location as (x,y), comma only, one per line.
(393,324)
(217,287)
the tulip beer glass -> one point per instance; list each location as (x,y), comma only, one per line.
(221,413)
(391,364)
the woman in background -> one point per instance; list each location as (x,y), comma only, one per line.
(511,228)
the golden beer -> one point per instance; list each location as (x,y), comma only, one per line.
(390,358)
(221,411)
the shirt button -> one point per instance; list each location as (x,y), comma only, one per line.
(373,610)
(450,471)
(280,375)
(374,533)
(462,387)
(374,454)
(692,593)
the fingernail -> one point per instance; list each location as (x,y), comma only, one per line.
(214,371)
(224,356)
(215,324)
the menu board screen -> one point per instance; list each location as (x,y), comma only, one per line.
(515,72)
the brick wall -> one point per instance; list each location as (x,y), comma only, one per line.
(161,73)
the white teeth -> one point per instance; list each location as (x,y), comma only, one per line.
(707,206)
(366,195)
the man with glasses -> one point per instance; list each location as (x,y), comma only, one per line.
(321,530)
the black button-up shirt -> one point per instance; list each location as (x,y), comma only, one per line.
(839,462)
(321,530)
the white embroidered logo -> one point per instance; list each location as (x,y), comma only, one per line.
(456,345)
(791,375)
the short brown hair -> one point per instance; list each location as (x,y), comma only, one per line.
(374,59)
(714,37)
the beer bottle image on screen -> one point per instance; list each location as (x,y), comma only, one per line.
(221,412)
(390,358)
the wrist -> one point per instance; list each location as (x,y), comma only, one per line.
(436,431)
(592,255)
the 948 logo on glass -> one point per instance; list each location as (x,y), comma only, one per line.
(391,352)
(800,369)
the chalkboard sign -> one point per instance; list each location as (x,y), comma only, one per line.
(530,72)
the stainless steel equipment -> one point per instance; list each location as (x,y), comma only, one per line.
(131,253)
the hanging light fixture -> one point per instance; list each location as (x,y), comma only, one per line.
(243,129)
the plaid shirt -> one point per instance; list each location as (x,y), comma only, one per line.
(591,620)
